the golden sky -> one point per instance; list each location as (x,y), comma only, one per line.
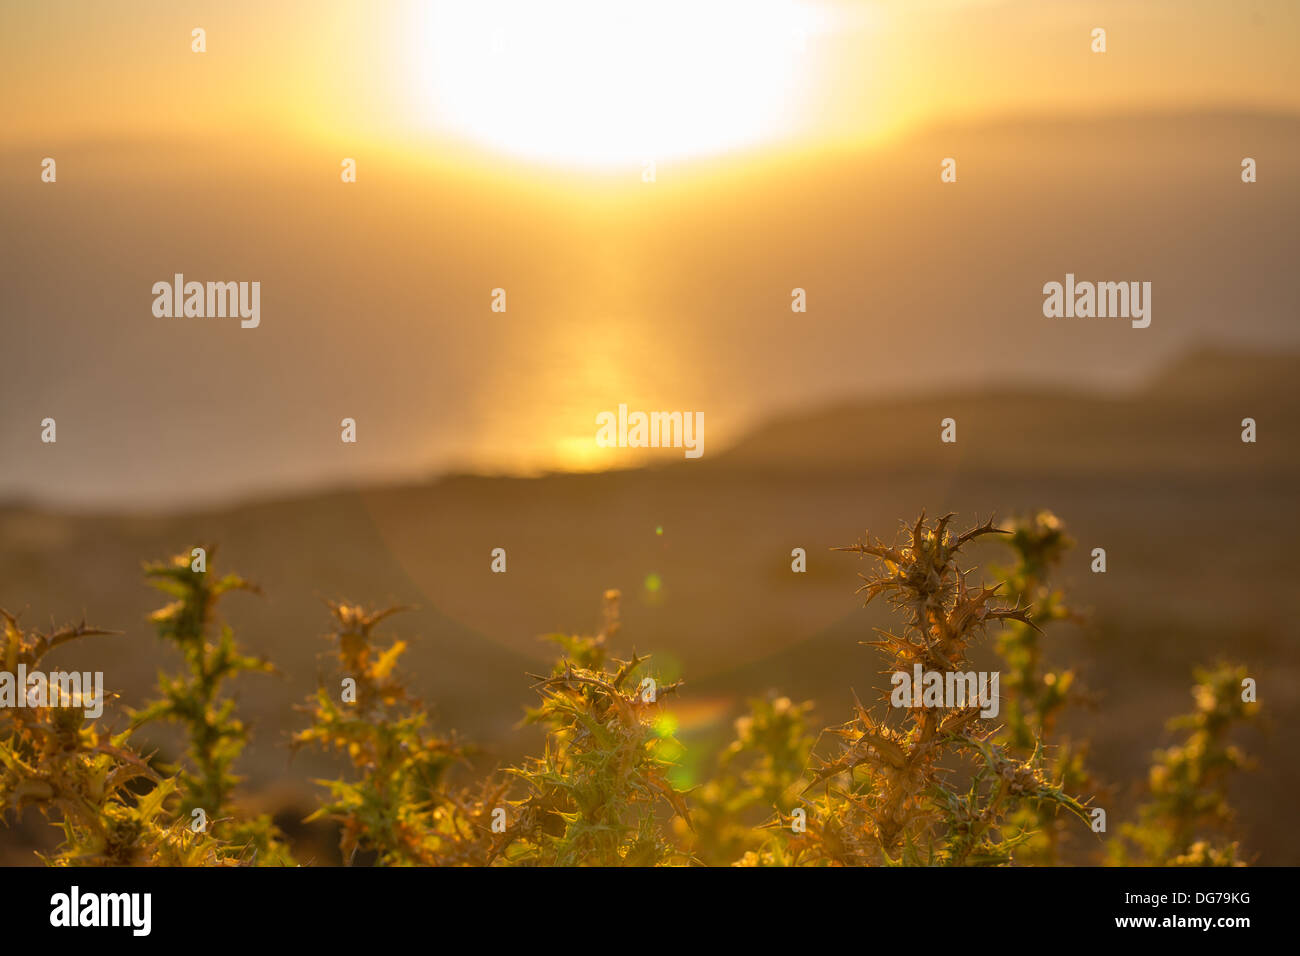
(605,83)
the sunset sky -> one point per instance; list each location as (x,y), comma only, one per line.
(598,83)
(502,144)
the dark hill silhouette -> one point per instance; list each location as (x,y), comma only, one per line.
(1185,420)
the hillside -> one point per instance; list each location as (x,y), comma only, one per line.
(1186,417)
(1198,528)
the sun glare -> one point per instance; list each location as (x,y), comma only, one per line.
(608,82)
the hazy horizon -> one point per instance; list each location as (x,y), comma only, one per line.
(798,146)
(256,495)
(666,296)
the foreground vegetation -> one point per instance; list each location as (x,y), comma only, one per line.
(898,783)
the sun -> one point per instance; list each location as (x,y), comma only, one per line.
(610,82)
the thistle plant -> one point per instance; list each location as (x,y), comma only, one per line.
(888,795)
(108,802)
(759,772)
(594,796)
(398,805)
(1187,819)
(924,781)
(193,699)
(1036,693)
